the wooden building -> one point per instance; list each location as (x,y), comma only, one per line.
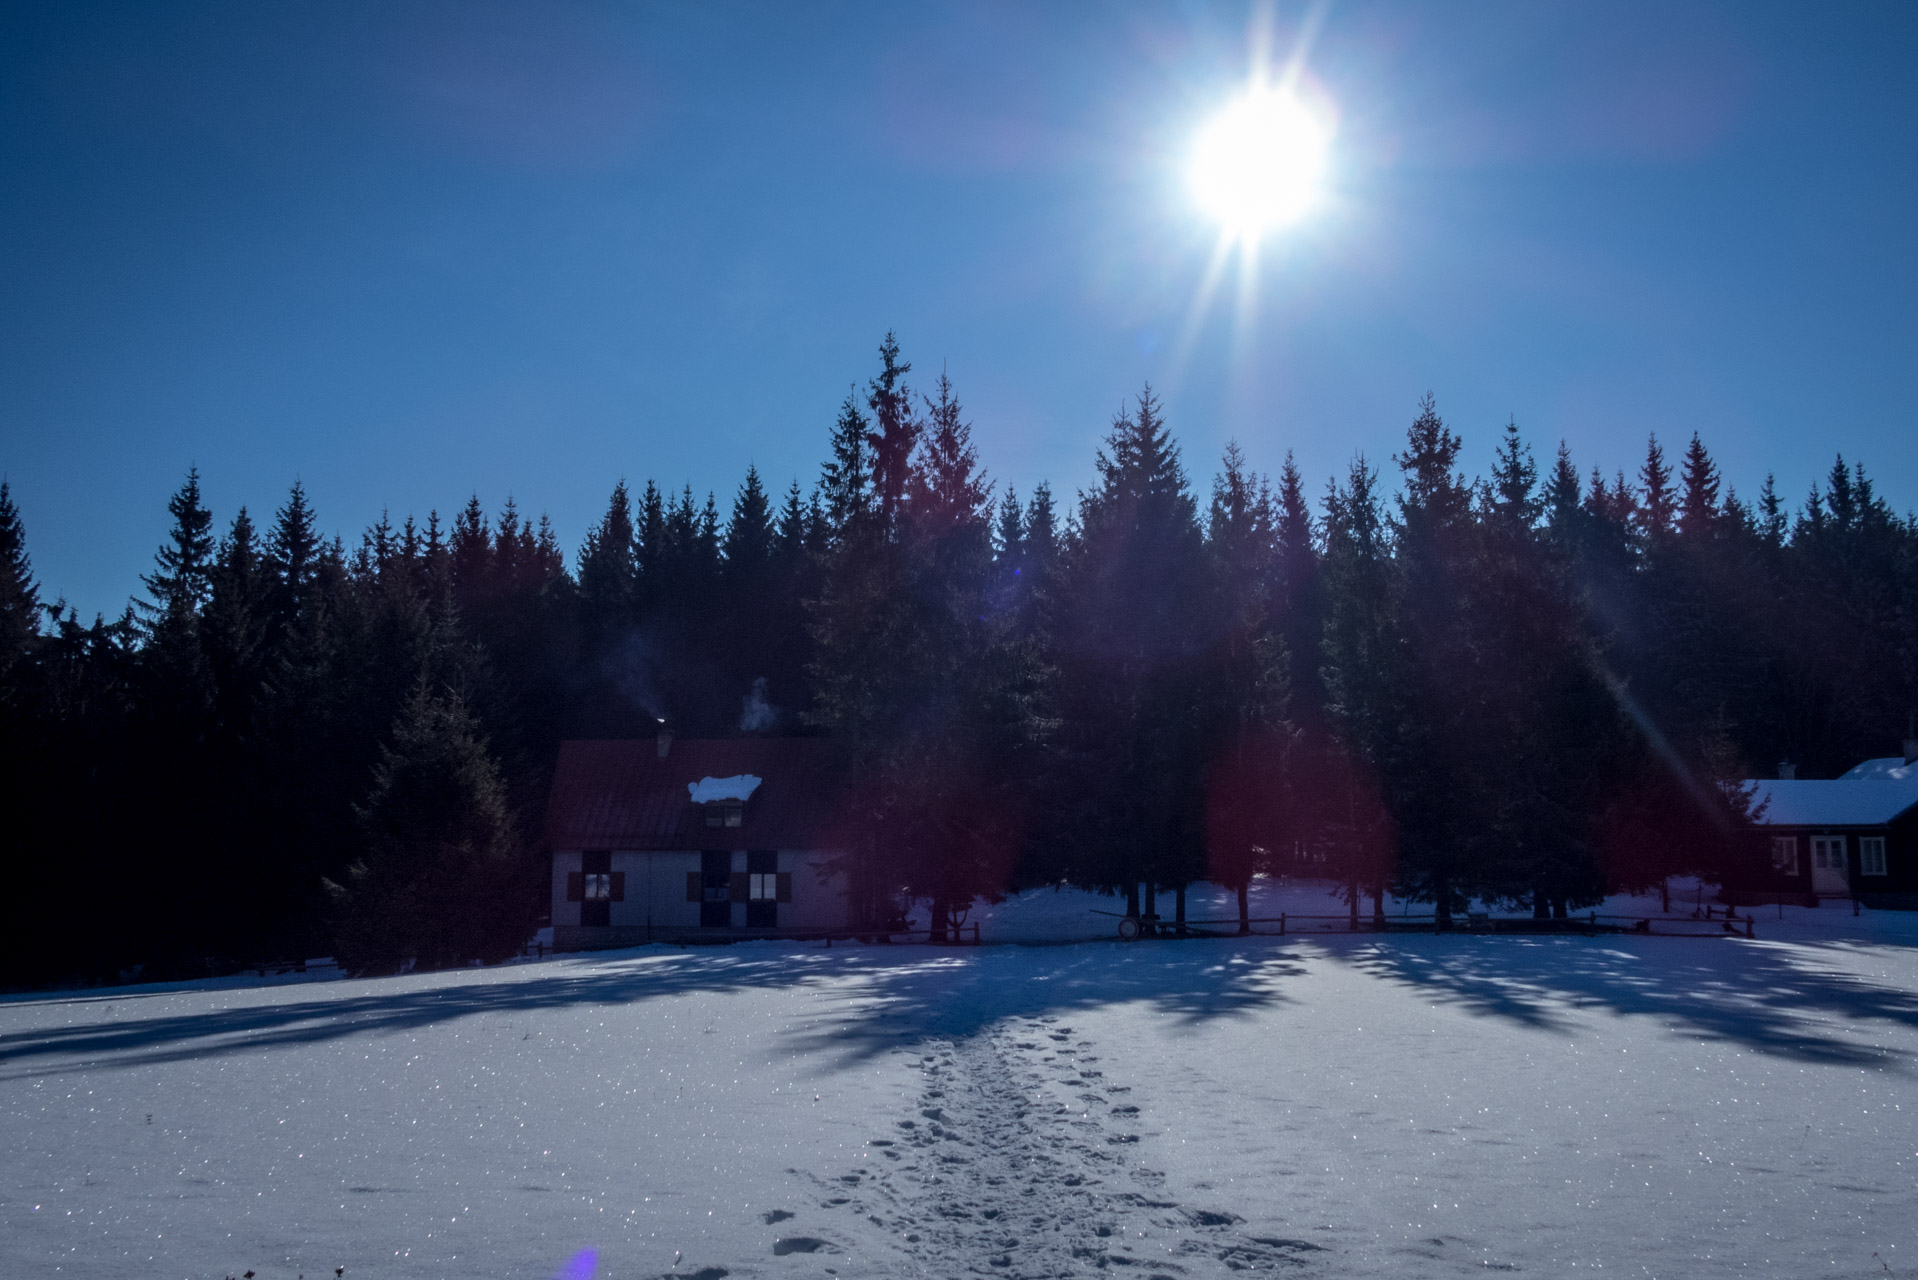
(660,840)
(1854,836)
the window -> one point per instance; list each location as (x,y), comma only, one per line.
(725,814)
(1871,856)
(1828,852)
(596,887)
(766,888)
(1784,855)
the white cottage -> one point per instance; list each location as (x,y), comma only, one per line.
(655,839)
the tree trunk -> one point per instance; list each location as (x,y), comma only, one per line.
(1179,910)
(1150,920)
(1665,895)
(1558,908)
(1132,899)
(1442,907)
(1352,901)
(938,917)
(1245,909)
(1378,907)
(1541,906)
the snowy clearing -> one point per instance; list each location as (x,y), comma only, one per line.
(1339,1106)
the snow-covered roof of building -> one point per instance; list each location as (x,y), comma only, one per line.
(1868,796)
(1891,768)
(710,790)
(624,794)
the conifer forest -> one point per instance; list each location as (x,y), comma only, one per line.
(1528,688)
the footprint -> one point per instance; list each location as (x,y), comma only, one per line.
(800,1244)
(775,1215)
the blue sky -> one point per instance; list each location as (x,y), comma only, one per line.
(406,253)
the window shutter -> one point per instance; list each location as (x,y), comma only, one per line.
(742,886)
(575,886)
(619,886)
(785,886)
(694,889)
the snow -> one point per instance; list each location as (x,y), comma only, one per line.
(1336,1105)
(1838,802)
(738,787)
(1895,768)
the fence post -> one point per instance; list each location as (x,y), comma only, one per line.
(1281,924)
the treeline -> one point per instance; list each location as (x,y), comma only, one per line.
(1527,689)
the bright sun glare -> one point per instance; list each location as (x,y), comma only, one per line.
(1257,165)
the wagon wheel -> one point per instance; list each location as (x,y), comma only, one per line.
(1129,929)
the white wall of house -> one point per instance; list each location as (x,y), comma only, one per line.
(656,890)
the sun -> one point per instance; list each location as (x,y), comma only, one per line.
(1258,165)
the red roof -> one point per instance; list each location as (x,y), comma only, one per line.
(621,794)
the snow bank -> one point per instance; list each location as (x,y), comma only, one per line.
(738,787)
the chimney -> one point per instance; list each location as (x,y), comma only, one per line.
(665,740)
(1787,771)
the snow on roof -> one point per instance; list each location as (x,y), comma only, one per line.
(1892,768)
(739,787)
(1867,799)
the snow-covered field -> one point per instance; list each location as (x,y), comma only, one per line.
(1322,1105)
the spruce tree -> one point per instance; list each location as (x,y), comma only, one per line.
(1130,681)
(1431,792)
(1245,736)
(19,596)
(1367,703)
(441,880)
(183,567)
(895,433)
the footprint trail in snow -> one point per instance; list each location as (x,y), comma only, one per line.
(1018,1164)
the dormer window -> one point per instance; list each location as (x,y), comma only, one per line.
(724,799)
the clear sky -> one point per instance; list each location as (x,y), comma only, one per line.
(410,252)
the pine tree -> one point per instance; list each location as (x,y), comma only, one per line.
(896,430)
(1366,684)
(183,567)
(1430,792)
(1130,679)
(471,555)
(1655,485)
(748,545)
(292,559)
(609,572)
(846,482)
(19,596)
(1699,512)
(442,880)
(1245,733)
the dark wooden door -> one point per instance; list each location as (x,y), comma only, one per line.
(716,889)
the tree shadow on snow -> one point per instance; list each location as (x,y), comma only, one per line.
(873,998)
(1770,999)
